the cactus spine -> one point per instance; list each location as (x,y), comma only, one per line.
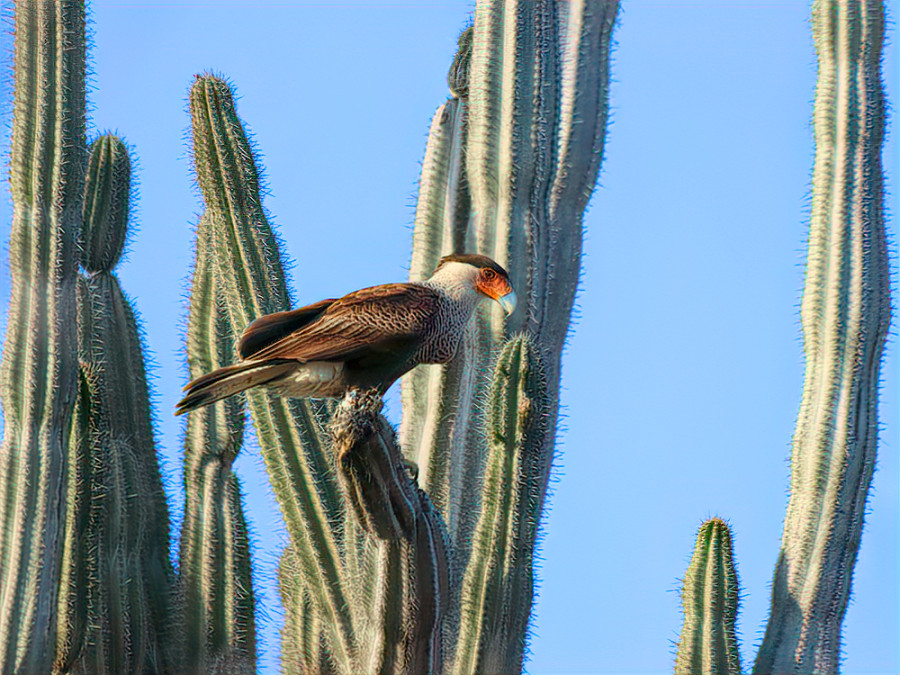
(708,642)
(845,315)
(38,377)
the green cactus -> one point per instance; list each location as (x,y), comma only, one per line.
(437,418)
(523,156)
(708,642)
(498,585)
(247,263)
(381,575)
(39,370)
(845,315)
(116,584)
(357,552)
(366,586)
(86,582)
(215,577)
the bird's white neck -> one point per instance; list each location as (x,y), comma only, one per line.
(457,281)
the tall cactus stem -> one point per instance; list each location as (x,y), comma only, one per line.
(116,581)
(498,585)
(845,315)
(710,595)
(290,434)
(437,399)
(38,374)
(215,570)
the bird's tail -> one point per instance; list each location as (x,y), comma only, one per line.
(231,380)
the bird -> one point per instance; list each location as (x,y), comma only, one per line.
(363,341)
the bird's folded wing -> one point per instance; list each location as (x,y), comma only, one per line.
(383,319)
(271,328)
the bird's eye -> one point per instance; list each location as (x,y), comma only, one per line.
(488,273)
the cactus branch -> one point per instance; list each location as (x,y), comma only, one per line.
(38,375)
(215,570)
(845,315)
(290,434)
(708,642)
(498,585)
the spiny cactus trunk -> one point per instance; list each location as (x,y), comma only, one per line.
(708,642)
(116,581)
(38,376)
(845,314)
(520,147)
(215,577)
(498,586)
(247,262)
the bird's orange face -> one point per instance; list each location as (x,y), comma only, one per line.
(497,287)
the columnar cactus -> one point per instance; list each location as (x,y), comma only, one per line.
(342,531)
(845,315)
(498,586)
(39,370)
(86,583)
(247,263)
(520,145)
(215,577)
(369,581)
(116,582)
(708,642)
(380,574)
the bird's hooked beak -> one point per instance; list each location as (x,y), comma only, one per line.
(508,302)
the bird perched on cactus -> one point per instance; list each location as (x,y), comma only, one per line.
(365,340)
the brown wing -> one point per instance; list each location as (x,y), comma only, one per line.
(271,328)
(380,322)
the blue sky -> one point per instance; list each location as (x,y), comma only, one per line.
(683,375)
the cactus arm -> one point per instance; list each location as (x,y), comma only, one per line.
(497,588)
(290,436)
(106,204)
(116,585)
(215,570)
(38,375)
(708,642)
(586,31)
(845,315)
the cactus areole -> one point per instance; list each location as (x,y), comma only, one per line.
(365,340)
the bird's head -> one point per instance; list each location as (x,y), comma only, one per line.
(485,275)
